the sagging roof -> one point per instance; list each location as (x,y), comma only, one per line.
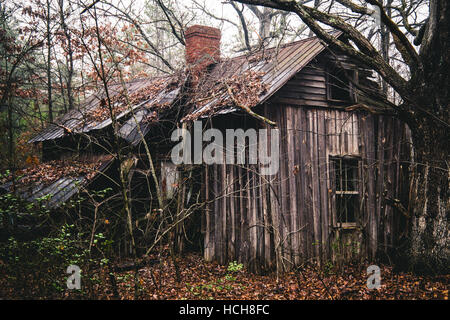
(144,115)
(261,74)
(58,181)
(94,114)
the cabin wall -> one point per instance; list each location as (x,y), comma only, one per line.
(290,218)
(309,86)
(306,88)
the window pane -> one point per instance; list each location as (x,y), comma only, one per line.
(351,174)
(346,185)
(340,85)
(347,207)
(347,176)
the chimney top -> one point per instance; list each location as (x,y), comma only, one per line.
(203,31)
(202,46)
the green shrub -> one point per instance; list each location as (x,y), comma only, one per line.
(233,266)
(38,268)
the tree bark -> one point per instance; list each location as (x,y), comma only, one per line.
(429,205)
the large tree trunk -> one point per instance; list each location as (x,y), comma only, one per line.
(429,204)
(430,201)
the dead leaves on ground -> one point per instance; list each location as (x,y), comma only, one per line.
(203,280)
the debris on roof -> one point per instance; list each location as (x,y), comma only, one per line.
(48,172)
(146,114)
(59,180)
(246,88)
(268,69)
(251,79)
(94,114)
(120,102)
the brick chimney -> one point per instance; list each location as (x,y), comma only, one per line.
(202,47)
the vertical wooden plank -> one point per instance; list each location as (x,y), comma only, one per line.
(218,215)
(323,182)
(345,121)
(369,146)
(225,212)
(243,215)
(266,223)
(307,182)
(214,212)
(256,230)
(207,240)
(315,184)
(232,197)
(275,205)
(284,190)
(355,134)
(393,141)
(364,177)
(298,159)
(379,177)
(238,213)
(339,135)
(290,129)
(265,205)
(251,218)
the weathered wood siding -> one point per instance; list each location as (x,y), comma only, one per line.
(290,217)
(307,88)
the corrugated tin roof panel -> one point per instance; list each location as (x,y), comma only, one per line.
(78,120)
(277,65)
(129,130)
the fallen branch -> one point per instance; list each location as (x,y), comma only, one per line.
(247,109)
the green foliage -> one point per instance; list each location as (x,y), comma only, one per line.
(328,268)
(38,267)
(233,266)
(227,283)
(14,210)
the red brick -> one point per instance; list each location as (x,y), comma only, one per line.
(202,46)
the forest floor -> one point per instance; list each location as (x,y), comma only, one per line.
(204,280)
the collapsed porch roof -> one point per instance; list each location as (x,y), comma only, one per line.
(60,186)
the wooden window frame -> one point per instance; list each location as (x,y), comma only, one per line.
(333,161)
(352,93)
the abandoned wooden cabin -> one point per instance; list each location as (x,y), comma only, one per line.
(340,156)
(340,160)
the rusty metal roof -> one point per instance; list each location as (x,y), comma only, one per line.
(77,121)
(129,130)
(278,65)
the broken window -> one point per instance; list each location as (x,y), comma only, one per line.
(346,177)
(339,85)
